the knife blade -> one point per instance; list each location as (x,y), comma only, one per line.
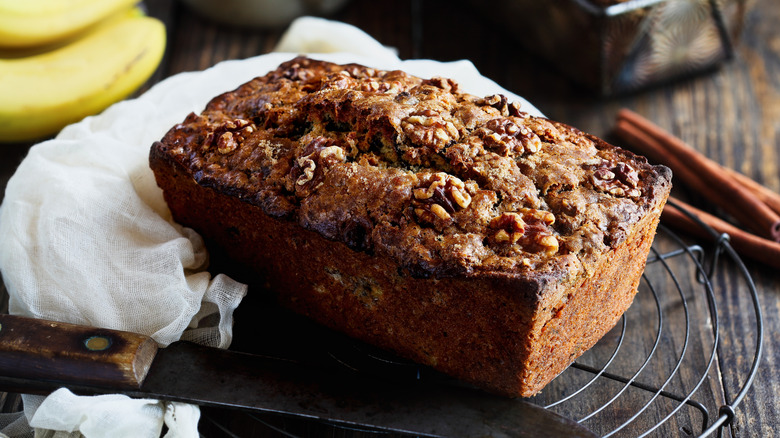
(38,356)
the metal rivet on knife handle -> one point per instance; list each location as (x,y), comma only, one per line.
(98,343)
(72,354)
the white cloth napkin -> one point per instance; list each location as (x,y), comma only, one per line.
(86,237)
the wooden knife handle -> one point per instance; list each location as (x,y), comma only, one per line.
(36,349)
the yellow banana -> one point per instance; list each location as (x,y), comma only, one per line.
(41,94)
(27,23)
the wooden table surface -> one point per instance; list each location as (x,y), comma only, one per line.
(731,114)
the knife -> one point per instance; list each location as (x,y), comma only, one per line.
(39,356)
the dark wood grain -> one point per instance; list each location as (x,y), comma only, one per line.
(732,115)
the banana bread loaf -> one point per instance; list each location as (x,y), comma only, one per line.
(454,230)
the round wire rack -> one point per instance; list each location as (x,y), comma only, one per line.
(659,372)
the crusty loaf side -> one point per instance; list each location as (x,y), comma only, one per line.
(454,230)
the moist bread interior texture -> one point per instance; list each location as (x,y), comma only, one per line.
(453,229)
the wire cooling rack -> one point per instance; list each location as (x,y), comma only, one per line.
(657,373)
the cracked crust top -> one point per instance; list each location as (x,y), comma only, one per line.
(444,182)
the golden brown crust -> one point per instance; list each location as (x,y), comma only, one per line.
(379,160)
(467,221)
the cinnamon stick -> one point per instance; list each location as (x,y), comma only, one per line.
(699,172)
(766,195)
(747,244)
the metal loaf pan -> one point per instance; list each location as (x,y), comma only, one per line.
(615,47)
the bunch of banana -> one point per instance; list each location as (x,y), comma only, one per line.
(61,61)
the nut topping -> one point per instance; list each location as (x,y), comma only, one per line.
(530,140)
(229,135)
(307,165)
(390,87)
(531,215)
(544,129)
(604,174)
(505,136)
(226,143)
(497,101)
(443,182)
(502,104)
(371,85)
(332,155)
(528,228)
(461,197)
(547,243)
(616,179)
(446,188)
(439,211)
(428,128)
(514,110)
(319,155)
(444,196)
(445,84)
(511,227)
(296,72)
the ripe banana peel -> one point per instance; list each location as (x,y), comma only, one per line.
(28,23)
(40,94)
